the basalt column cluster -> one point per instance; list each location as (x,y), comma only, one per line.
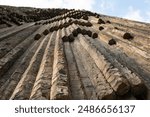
(75,55)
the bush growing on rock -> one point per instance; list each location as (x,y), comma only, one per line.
(112,42)
(108,22)
(45,32)
(96,16)
(37,36)
(100,21)
(79,30)
(78,17)
(94,35)
(80,23)
(65,25)
(101,28)
(85,17)
(89,33)
(76,22)
(116,28)
(51,29)
(36,23)
(71,38)
(75,33)
(56,28)
(65,39)
(61,26)
(128,36)
(89,24)
(84,32)
(70,20)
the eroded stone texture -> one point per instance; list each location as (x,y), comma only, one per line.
(60,82)
(76,55)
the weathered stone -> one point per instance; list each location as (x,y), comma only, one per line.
(116,80)
(75,61)
(42,85)
(103,90)
(24,87)
(59,89)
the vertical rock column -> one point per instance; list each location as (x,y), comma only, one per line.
(42,85)
(59,89)
(112,74)
(25,85)
(103,89)
(76,86)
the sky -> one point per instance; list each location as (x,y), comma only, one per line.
(138,10)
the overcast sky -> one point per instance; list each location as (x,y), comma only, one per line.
(132,9)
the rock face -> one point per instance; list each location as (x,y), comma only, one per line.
(73,55)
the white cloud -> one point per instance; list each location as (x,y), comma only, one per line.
(134,14)
(106,5)
(77,4)
(147,19)
(147,1)
(148,14)
(137,14)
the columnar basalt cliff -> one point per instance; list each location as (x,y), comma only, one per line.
(62,54)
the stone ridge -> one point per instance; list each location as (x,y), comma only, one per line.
(73,55)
